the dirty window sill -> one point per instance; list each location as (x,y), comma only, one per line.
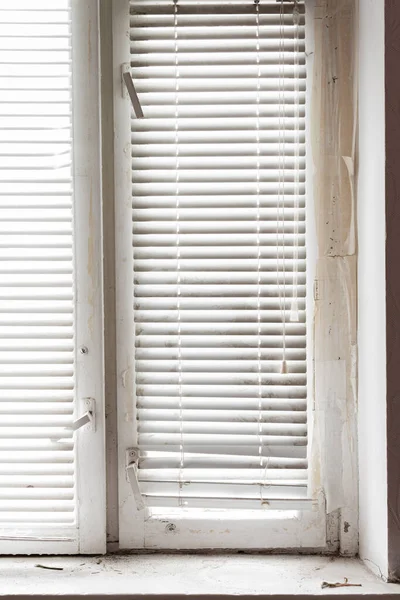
(190,575)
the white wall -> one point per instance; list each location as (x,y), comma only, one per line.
(371,281)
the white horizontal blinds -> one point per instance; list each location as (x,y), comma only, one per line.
(219,252)
(36,270)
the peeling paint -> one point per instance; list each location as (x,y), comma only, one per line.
(127,383)
(335,323)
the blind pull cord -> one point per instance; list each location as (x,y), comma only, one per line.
(178,256)
(294,310)
(280,226)
(258,242)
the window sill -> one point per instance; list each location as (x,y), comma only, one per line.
(130,576)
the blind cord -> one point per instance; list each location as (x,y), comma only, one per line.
(178,257)
(280,226)
(258,242)
(294,310)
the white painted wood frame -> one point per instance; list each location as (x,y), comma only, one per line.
(166,528)
(88,535)
(91,470)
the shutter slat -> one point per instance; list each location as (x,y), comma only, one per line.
(245,304)
(194,38)
(215,188)
(193,163)
(48,409)
(38,519)
(215,402)
(271,97)
(219,265)
(219,464)
(156,440)
(227,490)
(218,341)
(211,354)
(213,299)
(37,464)
(225,416)
(222,277)
(194,7)
(210,239)
(213,251)
(203,176)
(213,150)
(236,73)
(270,291)
(220,379)
(35,482)
(145,22)
(217,59)
(279,449)
(242,430)
(225,391)
(213,135)
(13,504)
(204,45)
(233,475)
(57,464)
(210,316)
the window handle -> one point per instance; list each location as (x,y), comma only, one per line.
(132,458)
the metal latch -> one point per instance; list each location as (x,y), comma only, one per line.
(88,418)
(128,85)
(132,459)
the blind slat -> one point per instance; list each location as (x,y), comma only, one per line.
(224,416)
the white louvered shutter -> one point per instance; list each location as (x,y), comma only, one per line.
(38,496)
(220,423)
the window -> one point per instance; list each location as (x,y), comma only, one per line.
(213,349)
(50,313)
(214,267)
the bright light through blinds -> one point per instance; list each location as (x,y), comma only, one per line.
(218,165)
(36,272)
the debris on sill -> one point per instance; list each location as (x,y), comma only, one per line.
(326,584)
(50,568)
